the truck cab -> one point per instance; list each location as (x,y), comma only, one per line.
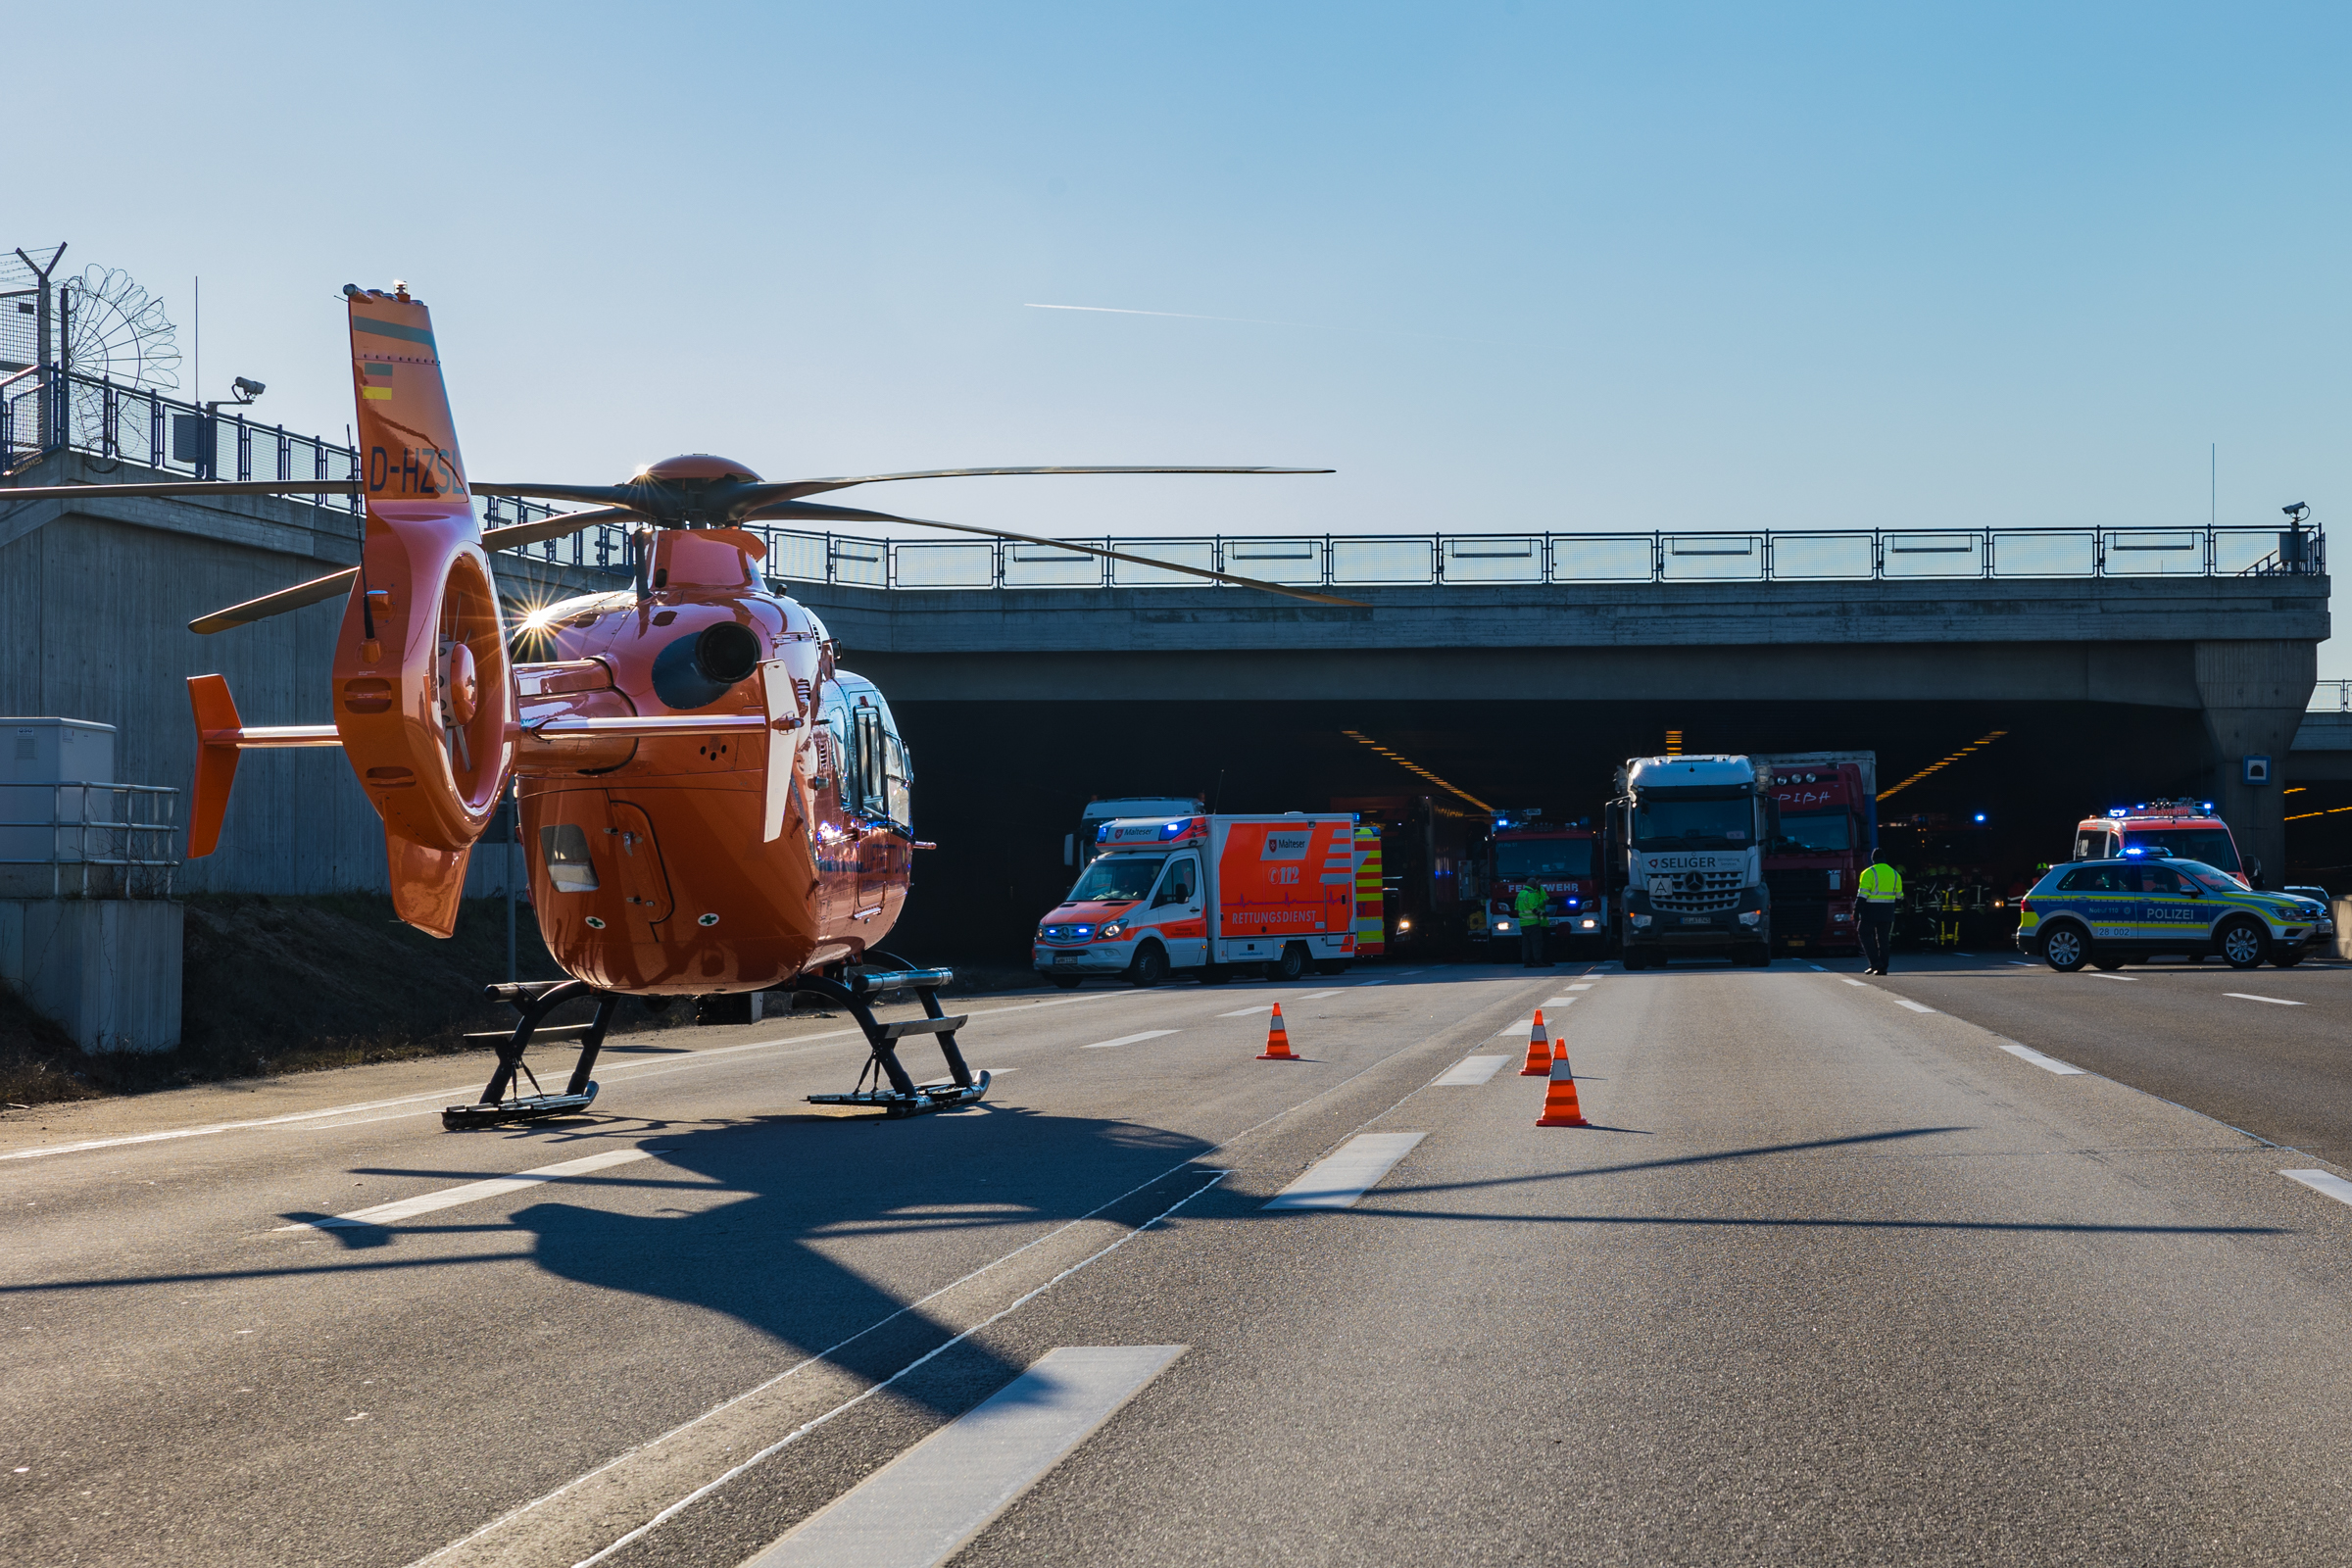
(1686,847)
(1825,804)
(1564,860)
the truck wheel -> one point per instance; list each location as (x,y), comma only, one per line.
(2065,948)
(1756,958)
(1330,966)
(1291,965)
(1149,966)
(1636,959)
(2244,945)
(1067,982)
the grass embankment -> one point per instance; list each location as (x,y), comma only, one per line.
(276,984)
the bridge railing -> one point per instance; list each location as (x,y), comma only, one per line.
(2331,696)
(1340,561)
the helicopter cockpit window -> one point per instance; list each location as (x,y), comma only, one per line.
(900,774)
(564,848)
(872,791)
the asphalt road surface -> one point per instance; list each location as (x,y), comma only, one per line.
(1846,1270)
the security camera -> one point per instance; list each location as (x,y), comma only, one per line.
(2296,511)
(247,390)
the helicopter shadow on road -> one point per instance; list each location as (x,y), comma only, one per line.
(792,1257)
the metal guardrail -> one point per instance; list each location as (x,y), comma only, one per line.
(87,840)
(44,410)
(2330,696)
(1334,561)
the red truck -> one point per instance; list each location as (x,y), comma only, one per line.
(1564,860)
(1829,829)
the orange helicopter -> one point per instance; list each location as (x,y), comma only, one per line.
(708,802)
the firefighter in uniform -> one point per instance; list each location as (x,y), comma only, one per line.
(1532,924)
(1882,888)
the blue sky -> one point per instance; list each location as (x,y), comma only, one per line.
(1577,267)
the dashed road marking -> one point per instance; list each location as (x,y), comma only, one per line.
(1582,985)
(2275,1001)
(1244,1012)
(2096,975)
(2323,1182)
(1128,1040)
(473,1191)
(1521,1027)
(1313,996)
(2046,1063)
(1559,1002)
(1338,1179)
(919,1508)
(2022,963)
(1915,1007)
(1852,981)
(1469,1072)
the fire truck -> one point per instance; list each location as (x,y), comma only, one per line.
(2185,831)
(1563,859)
(1212,896)
(1827,829)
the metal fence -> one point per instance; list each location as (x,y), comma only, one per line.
(2331,696)
(1334,561)
(87,840)
(43,409)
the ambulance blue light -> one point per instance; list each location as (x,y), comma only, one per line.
(2205,805)
(1979,816)
(2117,811)
(1102,833)
(1175,829)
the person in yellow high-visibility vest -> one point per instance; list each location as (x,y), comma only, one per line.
(1882,888)
(1529,906)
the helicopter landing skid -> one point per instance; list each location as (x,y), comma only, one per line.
(535,999)
(892,1090)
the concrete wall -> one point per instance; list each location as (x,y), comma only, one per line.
(104,970)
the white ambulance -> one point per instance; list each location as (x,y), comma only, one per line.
(1212,896)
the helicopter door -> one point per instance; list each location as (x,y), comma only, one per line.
(643,884)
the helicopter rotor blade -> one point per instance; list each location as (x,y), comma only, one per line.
(555,527)
(789,511)
(332,586)
(182,487)
(793,490)
(609,494)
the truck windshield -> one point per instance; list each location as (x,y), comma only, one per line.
(1818,830)
(1516,860)
(1118,878)
(2211,845)
(1671,824)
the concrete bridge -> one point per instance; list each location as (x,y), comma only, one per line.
(1021,702)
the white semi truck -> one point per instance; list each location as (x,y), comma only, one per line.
(1686,847)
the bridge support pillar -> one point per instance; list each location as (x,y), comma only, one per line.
(2254,694)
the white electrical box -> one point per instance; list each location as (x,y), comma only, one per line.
(57,751)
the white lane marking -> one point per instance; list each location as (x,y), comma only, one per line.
(1339,1178)
(855,1399)
(1469,1072)
(2023,963)
(1128,1040)
(1915,1007)
(2322,1181)
(2029,1054)
(1316,996)
(1244,1012)
(1851,980)
(2275,1001)
(473,1191)
(1523,1026)
(916,1510)
(659,1066)
(1815,967)
(2096,975)
(1586,984)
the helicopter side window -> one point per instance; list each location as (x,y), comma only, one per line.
(564,848)
(900,774)
(871,791)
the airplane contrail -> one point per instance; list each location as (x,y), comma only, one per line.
(1244,321)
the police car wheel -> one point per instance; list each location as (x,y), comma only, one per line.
(2287,960)
(1067,982)
(2243,944)
(2063,948)
(2106,963)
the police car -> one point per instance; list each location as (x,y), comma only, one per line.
(2113,911)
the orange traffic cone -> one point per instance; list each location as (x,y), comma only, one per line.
(1539,1049)
(1559,1100)
(1278,1040)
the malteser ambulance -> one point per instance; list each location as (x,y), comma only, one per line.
(1212,896)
